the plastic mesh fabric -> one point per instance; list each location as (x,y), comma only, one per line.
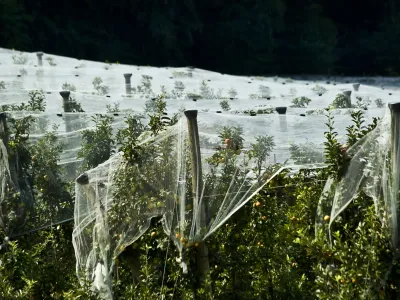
(372,170)
(116,200)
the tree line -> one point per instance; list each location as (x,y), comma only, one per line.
(247,37)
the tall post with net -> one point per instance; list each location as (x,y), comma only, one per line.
(67,109)
(128,87)
(197,187)
(40,58)
(395,160)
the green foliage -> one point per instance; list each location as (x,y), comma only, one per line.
(232,136)
(305,153)
(334,152)
(113,108)
(98,143)
(50,60)
(207,92)
(225,105)
(356,131)
(156,123)
(68,87)
(379,103)
(319,89)
(144,89)
(268,250)
(301,102)
(23,72)
(20,59)
(261,150)
(99,87)
(264,91)
(232,93)
(341,101)
(2,85)
(35,103)
(362,103)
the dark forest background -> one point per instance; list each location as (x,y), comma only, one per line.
(270,37)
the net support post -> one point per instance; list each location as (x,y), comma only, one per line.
(40,58)
(197,187)
(67,108)
(395,157)
(356,86)
(3,128)
(128,87)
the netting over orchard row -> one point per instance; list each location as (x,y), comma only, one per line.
(95,143)
(288,140)
(95,84)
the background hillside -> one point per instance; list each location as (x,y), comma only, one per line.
(254,37)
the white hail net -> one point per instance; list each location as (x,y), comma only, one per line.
(373,170)
(115,200)
(237,155)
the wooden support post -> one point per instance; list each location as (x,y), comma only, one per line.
(128,87)
(395,159)
(40,58)
(67,109)
(199,205)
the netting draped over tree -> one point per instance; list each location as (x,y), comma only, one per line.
(372,169)
(112,173)
(35,175)
(195,183)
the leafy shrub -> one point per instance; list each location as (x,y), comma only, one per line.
(318,111)
(180,74)
(2,85)
(362,103)
(20,59)
(50,60)
(266,111)
(98,143)
(208,93)
(99,87)
(305,153)
(232,93)
(379,103)
(301,102)
(270,249)
(145,87)
(319,89)
(225,105)
(68,87)
(254,96)
(176,93)
(23,72)
(36,103)
(193,96)
(264,91)
(341,101)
